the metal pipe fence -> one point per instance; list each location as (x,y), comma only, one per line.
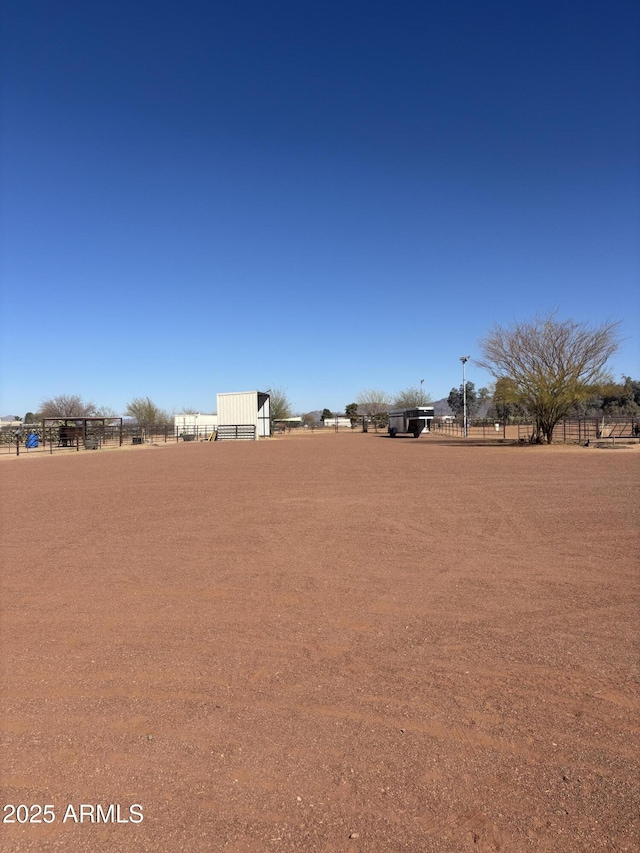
(56,439)
(192,432)
(475,429)
(35,439)
(570,431)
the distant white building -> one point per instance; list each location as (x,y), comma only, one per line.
(340,422)
(196,424)
(9,423)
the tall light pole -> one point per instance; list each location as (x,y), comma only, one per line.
(464,359)
(422,392)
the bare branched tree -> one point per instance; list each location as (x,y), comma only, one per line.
(106,412)
(552,365)
(375,404)
(411,397)
(67,406)
(146,413)
(279,404)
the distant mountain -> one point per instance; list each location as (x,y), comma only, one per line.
(441,407)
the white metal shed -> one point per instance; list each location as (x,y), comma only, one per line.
(245,408)
(198,421)
(196,424)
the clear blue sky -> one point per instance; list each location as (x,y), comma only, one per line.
(201,197)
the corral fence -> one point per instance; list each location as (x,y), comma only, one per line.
(475,429)
(191,432)
(584,430)
(69,437)
(573,431)
(236,432)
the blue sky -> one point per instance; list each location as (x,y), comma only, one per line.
(202,197)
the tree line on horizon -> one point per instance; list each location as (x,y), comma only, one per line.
(545,370)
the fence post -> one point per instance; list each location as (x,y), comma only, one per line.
(17,445)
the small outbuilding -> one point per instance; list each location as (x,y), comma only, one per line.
(196,424)
(338,422)
(244,414)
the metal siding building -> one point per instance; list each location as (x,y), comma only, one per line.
(198,422)
(245,408)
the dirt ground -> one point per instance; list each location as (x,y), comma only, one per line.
(336,643)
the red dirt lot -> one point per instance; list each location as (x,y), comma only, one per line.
(321,643)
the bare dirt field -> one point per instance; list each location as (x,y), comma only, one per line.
(336,643)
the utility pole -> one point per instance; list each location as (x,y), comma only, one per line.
(464,359)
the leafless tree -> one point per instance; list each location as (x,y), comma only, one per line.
(552,365)
(106,412)
(375,404)
(67,406)
(146,413)
(279,404)
(411,397)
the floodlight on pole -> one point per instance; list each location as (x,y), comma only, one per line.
(464,359)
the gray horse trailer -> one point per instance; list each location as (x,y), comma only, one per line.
(411,421)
